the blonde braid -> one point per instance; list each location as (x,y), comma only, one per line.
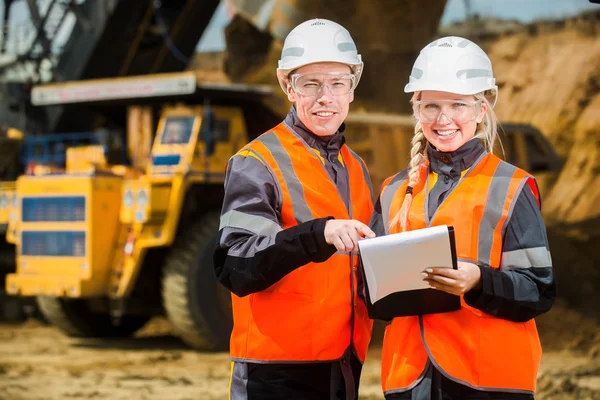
(418,155)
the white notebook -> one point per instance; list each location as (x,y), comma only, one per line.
(393,263)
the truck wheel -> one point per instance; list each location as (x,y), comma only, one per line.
(11,309)
(197,306)
(74,317)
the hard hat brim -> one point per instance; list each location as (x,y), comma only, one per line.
(413,88)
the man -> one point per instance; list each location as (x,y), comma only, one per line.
(293,197)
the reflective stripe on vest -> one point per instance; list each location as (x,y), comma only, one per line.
(469,346)
(390,188)
(313,313)
(252,223)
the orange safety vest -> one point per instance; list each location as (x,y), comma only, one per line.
(313,313)
(469,346)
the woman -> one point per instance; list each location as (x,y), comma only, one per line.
(489,349)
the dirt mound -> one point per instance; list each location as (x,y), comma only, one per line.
(580,382)
(566,329)
(549,76)
(571,360)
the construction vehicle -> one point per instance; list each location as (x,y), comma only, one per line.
(64,40)
(106,247)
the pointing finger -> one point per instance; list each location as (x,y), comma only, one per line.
(364,229)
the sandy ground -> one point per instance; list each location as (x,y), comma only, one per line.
(38,362)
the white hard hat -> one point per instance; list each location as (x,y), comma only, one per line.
(452,64)
(314,41)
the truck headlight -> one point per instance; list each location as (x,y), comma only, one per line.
(140,216)
(14,199)
(142,198)
(3,200)
(128,198)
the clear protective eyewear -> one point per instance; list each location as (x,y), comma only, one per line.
(459,111)
(312,83)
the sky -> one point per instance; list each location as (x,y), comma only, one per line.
(521,10)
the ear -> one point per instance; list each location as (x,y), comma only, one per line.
(482,111)
(291,95)
(351,97)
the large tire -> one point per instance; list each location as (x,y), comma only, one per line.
(75,318)
(197,306)
(11,309)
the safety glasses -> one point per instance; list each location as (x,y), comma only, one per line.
(312,83)
(459,111)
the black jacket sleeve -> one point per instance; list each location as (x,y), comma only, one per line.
(524,286)
(253,251)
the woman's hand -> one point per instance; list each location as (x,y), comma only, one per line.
(454,281)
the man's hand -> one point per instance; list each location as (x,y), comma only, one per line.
(344,234)
(454,281)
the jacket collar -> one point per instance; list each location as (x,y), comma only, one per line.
(453,163)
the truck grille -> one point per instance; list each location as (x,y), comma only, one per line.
(56,243)
(53,209)
(166,160)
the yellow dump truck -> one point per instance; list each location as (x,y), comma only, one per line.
(106,247)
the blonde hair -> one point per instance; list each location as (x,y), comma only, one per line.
(486,131)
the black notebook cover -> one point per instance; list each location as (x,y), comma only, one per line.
(415,302)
